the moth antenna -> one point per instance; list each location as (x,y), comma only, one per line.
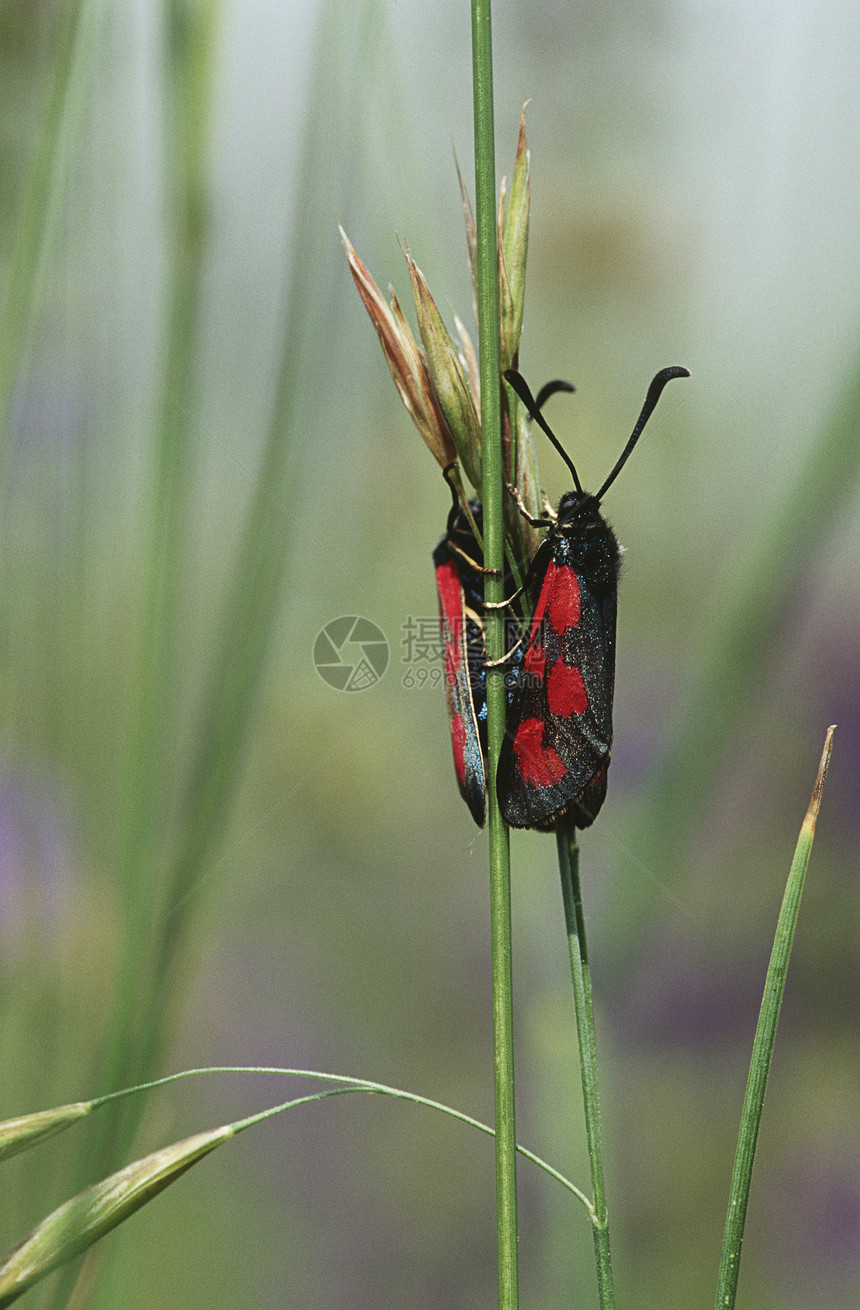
(550,388)
(518,384)
(654,392)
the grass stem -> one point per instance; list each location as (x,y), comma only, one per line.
(568,859)
(491,495)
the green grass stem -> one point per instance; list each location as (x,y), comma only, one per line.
(42,206)
(349,1084)
(763,1044)
(161,875)
(568,861)
(189,63)
(255,589)
(138,1014)
(491,495)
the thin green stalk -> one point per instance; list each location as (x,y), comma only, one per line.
(352,1085)
(20,1134)
(568,859)
(189,64)
(765,1037)
(42,204)
(491,495)
(255,588)
(189,50)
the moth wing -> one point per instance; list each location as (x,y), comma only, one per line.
(558,738)
(461,637)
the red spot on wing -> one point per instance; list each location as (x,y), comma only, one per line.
(565,690)
(539,765)
(451,616)
(458,740)
(448,585)
(563,601)
(559,601)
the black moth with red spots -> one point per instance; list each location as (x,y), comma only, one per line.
(458,561)
(558,739)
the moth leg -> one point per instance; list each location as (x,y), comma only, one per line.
(547,507)
(503,604)
(472,563)
(497,664)
(545,522)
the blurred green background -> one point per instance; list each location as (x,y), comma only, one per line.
(208,855)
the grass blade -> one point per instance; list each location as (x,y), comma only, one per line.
(763,1045)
